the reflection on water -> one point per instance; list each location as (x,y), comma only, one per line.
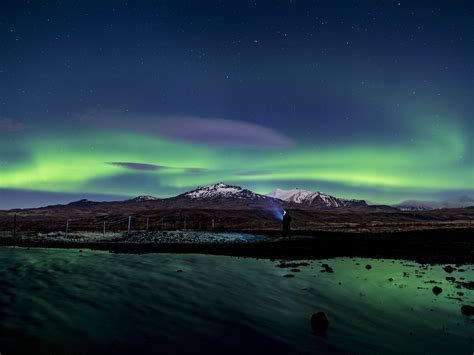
(66,301)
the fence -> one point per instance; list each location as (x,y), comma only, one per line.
(104,225)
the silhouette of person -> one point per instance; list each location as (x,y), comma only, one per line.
(286,222)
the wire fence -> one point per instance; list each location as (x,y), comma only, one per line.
(21,225)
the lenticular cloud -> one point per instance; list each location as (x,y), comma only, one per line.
(222,132)
(207,131)
(136,166)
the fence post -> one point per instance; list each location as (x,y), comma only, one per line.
(67,227)
(129,224)
(14,226)
(103,231)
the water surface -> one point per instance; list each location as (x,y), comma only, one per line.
(66,301)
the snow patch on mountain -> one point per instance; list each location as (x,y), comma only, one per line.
(144,198)
(306,197)
(221,190)
(311,198)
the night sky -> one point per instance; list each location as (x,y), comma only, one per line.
(359,99)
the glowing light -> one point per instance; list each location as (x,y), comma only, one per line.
(74,163)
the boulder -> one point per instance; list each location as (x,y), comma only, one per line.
(449,269)
(368,266)
(467,310)
(437,290)
(326,268)
(319,322)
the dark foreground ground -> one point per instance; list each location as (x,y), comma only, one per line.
(424,246)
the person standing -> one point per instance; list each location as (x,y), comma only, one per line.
(286,223)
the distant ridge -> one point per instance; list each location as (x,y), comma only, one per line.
(143,198)
(75,204)
(416,205)
(226,196)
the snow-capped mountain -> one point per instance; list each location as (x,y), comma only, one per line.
(316,199)
(222,191)
(143,198)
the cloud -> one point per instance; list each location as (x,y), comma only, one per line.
(153,167)
(205,131)
(222,132)
(136,166)
(134,184)
(7,125)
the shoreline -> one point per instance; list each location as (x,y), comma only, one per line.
(442,246)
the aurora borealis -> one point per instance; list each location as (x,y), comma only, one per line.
(108,99)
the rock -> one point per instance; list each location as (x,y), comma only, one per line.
(468,285)
(179,270)
(437,290)
(467,310)
(327,268)
(450,278)
(295,270)
(390,279)
(288,275)
(319,322)
(449,269)
(368,266)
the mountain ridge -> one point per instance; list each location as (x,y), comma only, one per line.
(221,190)
(314,199)
(420,205)
(221,195)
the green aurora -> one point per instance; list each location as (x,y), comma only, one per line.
(368,100)
(437,161)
